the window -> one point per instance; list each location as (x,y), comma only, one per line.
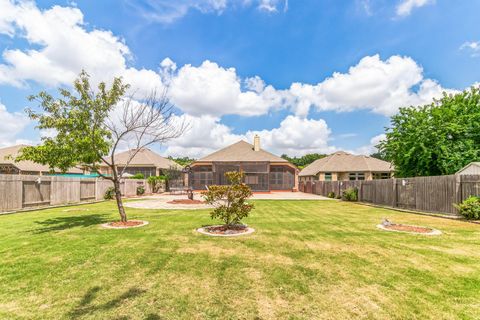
(352,176)
(251,179)
(381,175)
(328,176)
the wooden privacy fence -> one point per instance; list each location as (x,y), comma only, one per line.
(23,191)
(429,194)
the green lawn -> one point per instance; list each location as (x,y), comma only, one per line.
(307,260)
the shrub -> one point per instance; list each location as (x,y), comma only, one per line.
(138,176)
(350,194)
(140,190)
(156,182)
(109,193)
(331,194)
(470,208)
(230,200)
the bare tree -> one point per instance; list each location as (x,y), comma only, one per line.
(91,128)
(140,124)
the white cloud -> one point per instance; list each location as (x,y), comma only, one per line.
(63,48)
(473,47)
(294,136)
(373,84)
(405,7)
(213,90)
(371,147)
(205,134)
(13,123)
(168,11)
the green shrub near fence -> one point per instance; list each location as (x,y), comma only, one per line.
(350,194)
(109,193)
(470,208)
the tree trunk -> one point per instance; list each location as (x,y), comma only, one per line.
(118,197)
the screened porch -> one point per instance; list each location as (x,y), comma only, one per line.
(260,176)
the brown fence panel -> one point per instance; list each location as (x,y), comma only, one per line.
(28,191)
(435,194)
(64,190)
(406,193)
(10,193)
(35,193)
(87,189)
(430,194)
(102,186)
(308,187)
(470,186)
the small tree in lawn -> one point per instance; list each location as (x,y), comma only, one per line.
(230,200)
(91,126)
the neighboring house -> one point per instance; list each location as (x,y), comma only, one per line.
(9,166)
(145,162)
(342,166)
(471,168)
(263,171)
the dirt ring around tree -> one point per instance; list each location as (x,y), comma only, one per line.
(222,231)
(124,225)
(394,227)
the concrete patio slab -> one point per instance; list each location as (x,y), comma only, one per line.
(161,201)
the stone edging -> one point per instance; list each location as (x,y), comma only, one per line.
(434,232)
(203,231)
(107,226)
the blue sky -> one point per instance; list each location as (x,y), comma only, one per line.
(307,76)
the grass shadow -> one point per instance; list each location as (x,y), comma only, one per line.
(86,305)
(62,223)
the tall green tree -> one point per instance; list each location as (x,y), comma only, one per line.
(435,139)
(90,127)
(183,161)
(303,161)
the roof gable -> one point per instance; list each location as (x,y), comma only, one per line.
(145,157)
(241,151)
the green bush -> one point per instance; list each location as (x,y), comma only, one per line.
(350,194)
(331,194)
(109,193)
(470,208)
(155,182)
(140,190)
(138,176)
(230,201)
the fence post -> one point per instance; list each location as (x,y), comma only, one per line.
(394,193)
(359,190)
(458,191)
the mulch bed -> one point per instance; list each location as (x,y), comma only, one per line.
(407,228)
(186,201)
(124,225)
(226,230)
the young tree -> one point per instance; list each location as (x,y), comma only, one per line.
(435,139)
(91,126)
(230,201)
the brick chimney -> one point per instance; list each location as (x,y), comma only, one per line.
(256,143)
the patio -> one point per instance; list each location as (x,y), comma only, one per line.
(162,201)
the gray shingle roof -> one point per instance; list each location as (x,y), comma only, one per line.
(26,165)
(145,157)
(345,162)
(241,151)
